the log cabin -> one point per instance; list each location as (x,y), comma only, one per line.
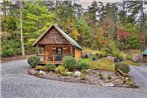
(144,54)
(54,44)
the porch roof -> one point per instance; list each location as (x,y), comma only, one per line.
(73,42)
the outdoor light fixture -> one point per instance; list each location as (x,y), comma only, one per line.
(54,48)
(64,47)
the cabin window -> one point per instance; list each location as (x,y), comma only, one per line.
(59,51)
(41,50)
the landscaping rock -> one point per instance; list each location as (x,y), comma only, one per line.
(88,70)
(32,72)
(137,57)
(108,84)
(111,58)
(41,72)
(77,73)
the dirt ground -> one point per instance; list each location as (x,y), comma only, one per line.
(17,57)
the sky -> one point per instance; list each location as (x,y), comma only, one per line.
(86,3)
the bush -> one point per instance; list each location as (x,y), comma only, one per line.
(10,47)
(39,67)
(129,82)
(101,76)
(69,62)
(109,77)
(49,67)
(82,65)
(83,71)
(83,77)
(118,54)
(33,61)
(60,70)
(8,52)
(129,57)
(94,58)
(123,67)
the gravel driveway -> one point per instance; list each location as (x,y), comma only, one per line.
(139,75)
(17,84)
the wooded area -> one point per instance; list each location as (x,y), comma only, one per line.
(109,26)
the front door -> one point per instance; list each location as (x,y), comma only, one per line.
(59,51)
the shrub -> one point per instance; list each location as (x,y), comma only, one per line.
(8,52)
(33,61)
(82,65)
(83,70)
(10,47)
(60,70)
(118,54)
(123,67)
(129,57)
(39,67)
(129,82)
(50,67)
(83,77)
(109,77)
(69,62)
(101,76)
(94,58)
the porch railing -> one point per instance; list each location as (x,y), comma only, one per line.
(54,57)
(51,57)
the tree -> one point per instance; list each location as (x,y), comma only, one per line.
(37,20)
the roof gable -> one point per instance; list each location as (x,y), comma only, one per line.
(68,38)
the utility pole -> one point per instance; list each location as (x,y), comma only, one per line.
(21,33)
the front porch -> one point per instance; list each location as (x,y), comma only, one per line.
(53,54)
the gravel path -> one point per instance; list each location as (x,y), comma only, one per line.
(17,84)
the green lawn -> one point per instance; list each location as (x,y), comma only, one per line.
(101,64)
(107,64)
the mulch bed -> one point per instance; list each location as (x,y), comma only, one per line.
(91,78)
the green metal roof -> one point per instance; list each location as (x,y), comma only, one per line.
(74,43)
(145,52)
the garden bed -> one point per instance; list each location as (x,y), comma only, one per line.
(94,77)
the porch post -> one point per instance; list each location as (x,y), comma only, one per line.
(44,53)
(71,54)
(37,49)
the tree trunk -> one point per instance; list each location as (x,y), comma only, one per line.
(21,33)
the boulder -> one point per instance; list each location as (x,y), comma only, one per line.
(41,72)
(32,72)
(88,70)
(77,73)
(137,57)
(108,84)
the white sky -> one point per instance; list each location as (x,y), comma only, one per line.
(86,3)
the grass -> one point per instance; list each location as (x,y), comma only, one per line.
(89,50)
(128,62)
(101,64)
(133,51)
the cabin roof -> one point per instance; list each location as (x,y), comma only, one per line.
(145,52)
(73,42)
